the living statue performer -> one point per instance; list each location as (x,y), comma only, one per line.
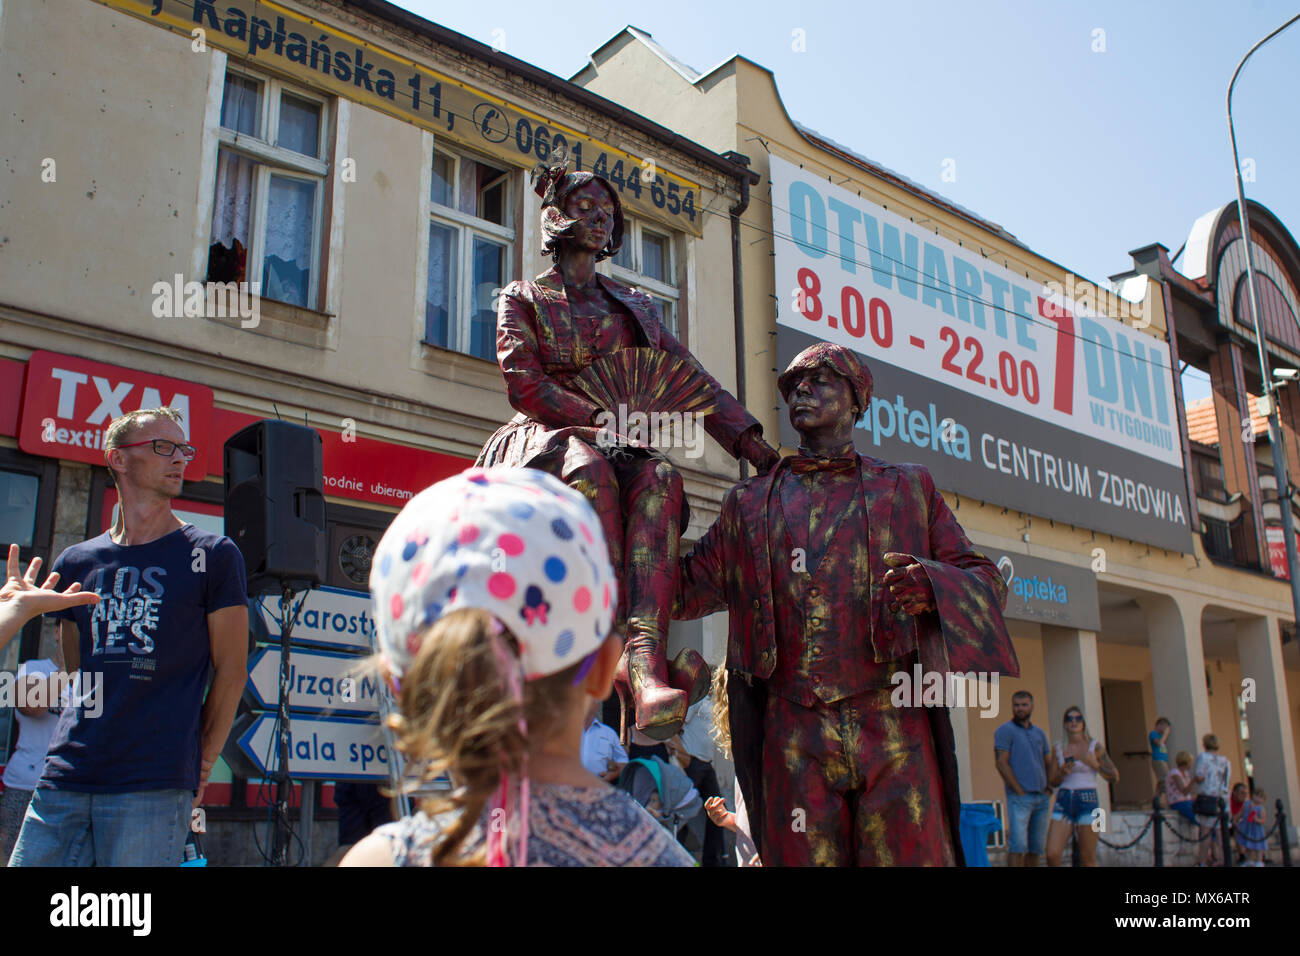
(840,571)
(548,332)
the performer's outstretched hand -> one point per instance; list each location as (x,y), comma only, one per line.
(751,447)
(908,584)
(21,599)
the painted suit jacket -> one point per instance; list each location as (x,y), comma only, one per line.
(731,567)
(540,351)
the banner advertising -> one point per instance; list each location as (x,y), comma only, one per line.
(261,33)
(1008,391)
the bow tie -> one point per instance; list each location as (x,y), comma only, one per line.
(803,464)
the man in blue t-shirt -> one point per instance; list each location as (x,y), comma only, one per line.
(132,754)
(1020,751)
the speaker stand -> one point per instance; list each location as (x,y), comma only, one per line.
(283,833)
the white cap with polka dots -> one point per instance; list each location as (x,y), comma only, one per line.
(514,542)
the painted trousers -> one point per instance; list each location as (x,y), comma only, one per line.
(852,783)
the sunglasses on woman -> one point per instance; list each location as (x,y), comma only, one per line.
(166,448)
(1074,719)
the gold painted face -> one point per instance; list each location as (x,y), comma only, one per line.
(593,207)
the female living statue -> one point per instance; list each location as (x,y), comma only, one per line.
(548,332)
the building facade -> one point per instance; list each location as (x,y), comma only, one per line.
(362,179)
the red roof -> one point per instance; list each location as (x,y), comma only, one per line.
(1202,427)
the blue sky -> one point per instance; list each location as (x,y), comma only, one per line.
(1081,153)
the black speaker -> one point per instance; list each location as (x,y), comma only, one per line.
(275,504)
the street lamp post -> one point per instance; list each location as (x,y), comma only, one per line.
(1284,490)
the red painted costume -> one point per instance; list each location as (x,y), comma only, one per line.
(547,333)
(832,773)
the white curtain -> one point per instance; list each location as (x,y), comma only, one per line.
(232,208)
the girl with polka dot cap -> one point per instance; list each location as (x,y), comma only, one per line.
(493,602)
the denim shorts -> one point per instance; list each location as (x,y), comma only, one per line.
(1075,806)
(66,828)
(1027,822)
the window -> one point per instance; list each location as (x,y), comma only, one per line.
(471,238)
(646,259)
(270,189)
(18,509)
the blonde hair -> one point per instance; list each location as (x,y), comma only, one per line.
(721,730)
(1182,759)
(459,717)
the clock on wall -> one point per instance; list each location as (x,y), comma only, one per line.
(354,555)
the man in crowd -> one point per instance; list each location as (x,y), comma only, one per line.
(840,571)
(1021,754)
(121,776)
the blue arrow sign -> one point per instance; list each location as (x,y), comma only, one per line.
(331,617)
(320,748)
(318,681)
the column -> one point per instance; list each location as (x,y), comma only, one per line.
(1240,475)
(1177,669)
(1272,744)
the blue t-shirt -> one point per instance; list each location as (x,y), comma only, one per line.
(1027,747)
(135,723)
(1158,751)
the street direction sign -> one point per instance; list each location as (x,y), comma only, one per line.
(320,748)
(330,617)
(319,681)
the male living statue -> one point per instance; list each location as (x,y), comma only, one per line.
(839,571)
(548,332)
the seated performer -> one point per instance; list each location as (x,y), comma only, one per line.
(550,330)
(831,771)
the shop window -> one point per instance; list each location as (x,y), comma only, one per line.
(270,189)
(18,509)
(647,260)
(471,242)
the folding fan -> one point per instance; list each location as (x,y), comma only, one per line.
(646,380)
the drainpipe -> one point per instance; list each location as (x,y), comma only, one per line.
(737,295)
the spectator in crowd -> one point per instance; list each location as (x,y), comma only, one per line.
(38,687)
(602,751)
(494,664)
(1240,796)
(716,808)
(1159,740)
(1211,772)
(1180,788)
(1250,832)
(693,751)
(1020,752)
(122,776)
(362,809)
(21,599)
(1076,762)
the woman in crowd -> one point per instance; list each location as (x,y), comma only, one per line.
(494,597)
(1211,772)
(1074,766)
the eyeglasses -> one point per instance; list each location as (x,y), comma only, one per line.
(1074,719)
(161,446)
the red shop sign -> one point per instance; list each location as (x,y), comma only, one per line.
(69,402)
(357,467)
